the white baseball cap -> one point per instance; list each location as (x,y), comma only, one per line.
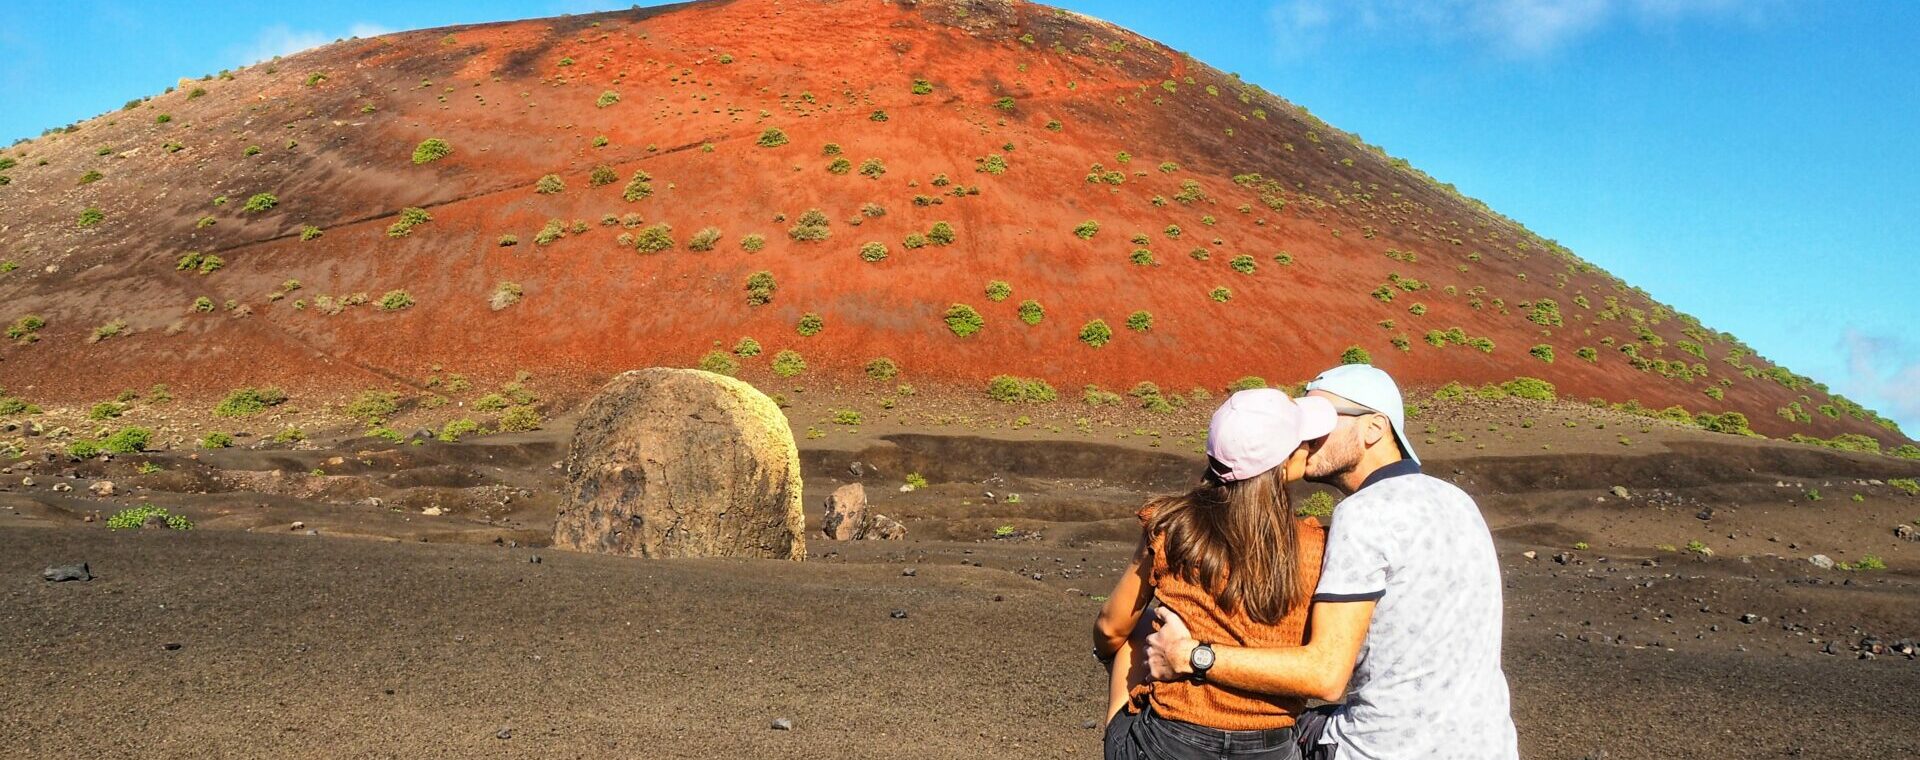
(1369,386)
(1257,430)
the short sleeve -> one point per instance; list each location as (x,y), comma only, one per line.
(1354,566)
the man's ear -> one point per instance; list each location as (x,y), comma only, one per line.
(1378,429)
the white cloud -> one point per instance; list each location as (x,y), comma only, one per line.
(1518,28)
(1884,373)
(281,40)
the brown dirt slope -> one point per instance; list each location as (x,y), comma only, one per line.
(1093,123)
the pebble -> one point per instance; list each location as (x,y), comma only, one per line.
(1089,724)
(898,614)
(782,724)
(910,572)
(298,525)
(535,559)
(27,481)
(1749,618)
(505,732)
(1821,561)
(1530,554)
(171,646)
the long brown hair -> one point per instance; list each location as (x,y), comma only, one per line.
(1238,541)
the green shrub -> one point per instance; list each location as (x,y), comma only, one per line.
(606,99)
(941,233)
(1484,344)
(23,329)
(132,518)
(915,241)
(549,185)
(760,287)
(1587,354)
(454,430)
(872,168)
(1093,395)
(520,419)
(1140,321)
(1018,390)
(811,227)
(882,369)
(409,219)
(1866,562)
(216,440)
(1221,295)
(1031,312)
(704,240)
(252,150)
(505,294)
(1086,230)
(1733,423)
(601,176)
(1908,486)
(246,402)
(128,440)
(992,163)
(639,187)
(1096,333)
(788,363)
(840,166)
(846,417)
(810,324)
(1545,312)
(309,232)
(753,242)
(1319,504)
(1141,257)
(508,241)
(90,177)
(654,238)
(1247,383)
(998,291)
(90,217)
(1355,355)
(113,329)
(771,138)
(922,87)
(373,406)
(1530,388)
(395,300)
(553,230)
(431,149)
(963,320)
(1242,264)
(873,251)
(1543,352)
(1004,104)
(106,410)
(746,347)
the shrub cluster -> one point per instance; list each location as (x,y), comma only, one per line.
(431,149)
(1016,390)
(409,218)
(760,288)
(1031,312)
(1096,333)
(963,320)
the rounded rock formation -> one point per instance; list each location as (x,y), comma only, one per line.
(682,463)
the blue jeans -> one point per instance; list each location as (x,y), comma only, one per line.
(1147,736)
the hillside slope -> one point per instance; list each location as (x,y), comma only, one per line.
(1252,238)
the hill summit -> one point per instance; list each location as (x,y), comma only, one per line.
(798,189)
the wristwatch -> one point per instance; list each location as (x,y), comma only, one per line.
(1201,661)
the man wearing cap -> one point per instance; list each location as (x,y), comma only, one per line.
(1406,620)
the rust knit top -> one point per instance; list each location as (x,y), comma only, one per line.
(1211,704)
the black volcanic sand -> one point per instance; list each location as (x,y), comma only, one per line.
(249,638)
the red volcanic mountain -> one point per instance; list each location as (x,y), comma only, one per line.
(582,195)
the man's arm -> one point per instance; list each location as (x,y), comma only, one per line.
(1320,669)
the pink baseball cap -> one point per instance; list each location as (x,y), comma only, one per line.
(1257,430)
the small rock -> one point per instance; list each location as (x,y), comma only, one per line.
(102,489)
(1906,533)
(910,572)
(312,532)
(1620,492)
(433,511)
(63,573)
(1530,554)
(1749,618)
(1563,558)
(61,488)
(1704,514)
(857,469)
(27,481)
(898,614)
(505,732)
(782,724)
(535,559)
(297,525)
(154,522)
(171,646)
(1089,724)
(1821,561)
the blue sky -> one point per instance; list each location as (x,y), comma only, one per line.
(1748,161)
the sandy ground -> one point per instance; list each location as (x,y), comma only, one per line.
(390,632)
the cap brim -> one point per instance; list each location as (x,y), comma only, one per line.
(1317,417)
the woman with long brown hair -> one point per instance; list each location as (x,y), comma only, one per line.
(1239,567)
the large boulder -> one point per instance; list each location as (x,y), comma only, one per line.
(682,463)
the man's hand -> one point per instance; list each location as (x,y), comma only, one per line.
(1170,649)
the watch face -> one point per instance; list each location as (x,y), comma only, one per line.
(1202,658)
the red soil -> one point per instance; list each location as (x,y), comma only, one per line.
(815,69)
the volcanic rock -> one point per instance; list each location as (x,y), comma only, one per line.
(682,463)
(63,573)
(846,508)
(1821,561)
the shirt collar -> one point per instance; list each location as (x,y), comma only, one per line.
(1397,469)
